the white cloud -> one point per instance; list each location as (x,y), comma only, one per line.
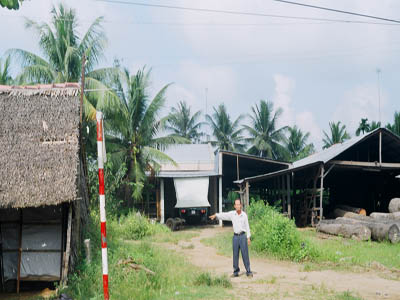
(192,80)
(360,102)
(305,120)
(282,99)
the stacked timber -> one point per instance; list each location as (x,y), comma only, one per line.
(358,232)
(386,216)
(349,223)
(356,210)
(338,212)
(394,205)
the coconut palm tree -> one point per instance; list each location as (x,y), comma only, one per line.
(133,128)
(265,138)
(374,125)
(62,49)
(182,123)
(5,76)
(228,135)
(296,144)
(363,127)
(395,127)
(338,134)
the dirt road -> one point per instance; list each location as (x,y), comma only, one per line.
(284,280)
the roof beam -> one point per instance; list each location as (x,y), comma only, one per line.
(350,163)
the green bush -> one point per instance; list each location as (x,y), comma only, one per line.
(134,226)
(275,234)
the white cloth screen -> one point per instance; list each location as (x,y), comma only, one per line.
(191,192)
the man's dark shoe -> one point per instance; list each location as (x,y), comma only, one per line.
(235,275)
(249,274)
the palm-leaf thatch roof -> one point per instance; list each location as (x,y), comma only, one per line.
(39,144)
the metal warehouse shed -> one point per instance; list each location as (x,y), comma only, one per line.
(360,172)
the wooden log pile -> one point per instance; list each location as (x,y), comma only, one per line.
(353,223)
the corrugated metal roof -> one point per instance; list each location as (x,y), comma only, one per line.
(186,153)
(250,156)
(331,152)
(192,160)
(320,157)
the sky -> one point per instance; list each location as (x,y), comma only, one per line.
(317,71)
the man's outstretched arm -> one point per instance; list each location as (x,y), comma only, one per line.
(226,216)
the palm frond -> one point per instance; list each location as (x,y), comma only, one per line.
(93,43)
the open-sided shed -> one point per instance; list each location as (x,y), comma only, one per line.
(43,192)
(360,172)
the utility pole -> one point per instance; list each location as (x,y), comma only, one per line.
(206,94)
(378,72)
(82,91)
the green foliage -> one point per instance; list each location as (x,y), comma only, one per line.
(10,4)
(132,128)
(232,196)
(5,75)
(62,49)
(182,123)
(275,234)
(134,226)
(374,125)
(395,127)
(296,144)
(113,180)
(228,135)
(265,138)
(363,127)
(210,280)
(338,134)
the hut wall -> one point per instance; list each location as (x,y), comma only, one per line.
(80,217)
(41,243)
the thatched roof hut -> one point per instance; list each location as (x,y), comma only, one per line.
(39,138)
(41,180)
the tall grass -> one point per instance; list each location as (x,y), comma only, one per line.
(174,277)
(134,226)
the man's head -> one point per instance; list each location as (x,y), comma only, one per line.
(238,205)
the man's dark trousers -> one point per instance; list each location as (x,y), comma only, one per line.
(240,242)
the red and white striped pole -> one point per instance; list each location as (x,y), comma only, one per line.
(101,159)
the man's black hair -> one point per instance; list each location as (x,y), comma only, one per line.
(238,199)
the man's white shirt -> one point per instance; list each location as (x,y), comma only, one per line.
(240,222)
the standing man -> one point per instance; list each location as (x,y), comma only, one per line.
(241,236)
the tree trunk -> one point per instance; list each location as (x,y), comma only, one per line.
(395,216)
(379,230)
(394,205)
(347,214)
(356,210)
(359,232)
(128,188)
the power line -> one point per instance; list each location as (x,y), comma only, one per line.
(339,11)
(230,12)
(322,22)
